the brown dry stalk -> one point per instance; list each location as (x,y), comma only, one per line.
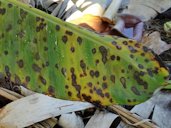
(131,118)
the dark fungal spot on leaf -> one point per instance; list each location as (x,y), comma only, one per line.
(27,78)
(137,45)
(86,97)
(83,66)
(1,35)
(23,14)
(69,33)
(20,63)
(93,50)
(143,54)
(123,81)
(97,62)
(10,5)
(69,93)
(57,27)
(78,88)
(64,39)
(118,58)
(112,57)
(146,60)
(116,45)
(91,73)
(142,73)
(129,100)
(94,89)
(17,79)
(56,66)
(107,95)
(66,86)
(9,27)
(112,78)
(45,48)
(130,67)
(44,39)
(37,29)
(5,52)
(104,78)
(140,66)
(132,49)
(135,91)
(161,63)
(130,41)
(21,34)
(7,69)
(100,93)
(96,73)
(72,70)
(125,42)
(104,85)
(150,72)
(103,52)
(63,71)
(97,103)
(156,70)
(38,19)
(131,56)
(72,49)
(140,81)
(79,40)
(90,84)
(91,91)
(145,49)
(42,26)
(37,56)
(42,19)
(123,71)
(51,90)
(36,68)
(145,85)
(46,63)
(42,80)
(2,11)
(111,101)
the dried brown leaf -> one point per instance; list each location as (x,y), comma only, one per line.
(154,42)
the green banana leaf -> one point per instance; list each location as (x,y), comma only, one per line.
(53,57)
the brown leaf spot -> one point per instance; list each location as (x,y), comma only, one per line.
(2,11)
(123,81)
(10,5)
(42,79)
(36,68)
(135,91)
(86,98)
(69,33)
(64,39)
(57,27)
(112,78)
(20,63)
(27,78)
(104,85)
(79,40)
